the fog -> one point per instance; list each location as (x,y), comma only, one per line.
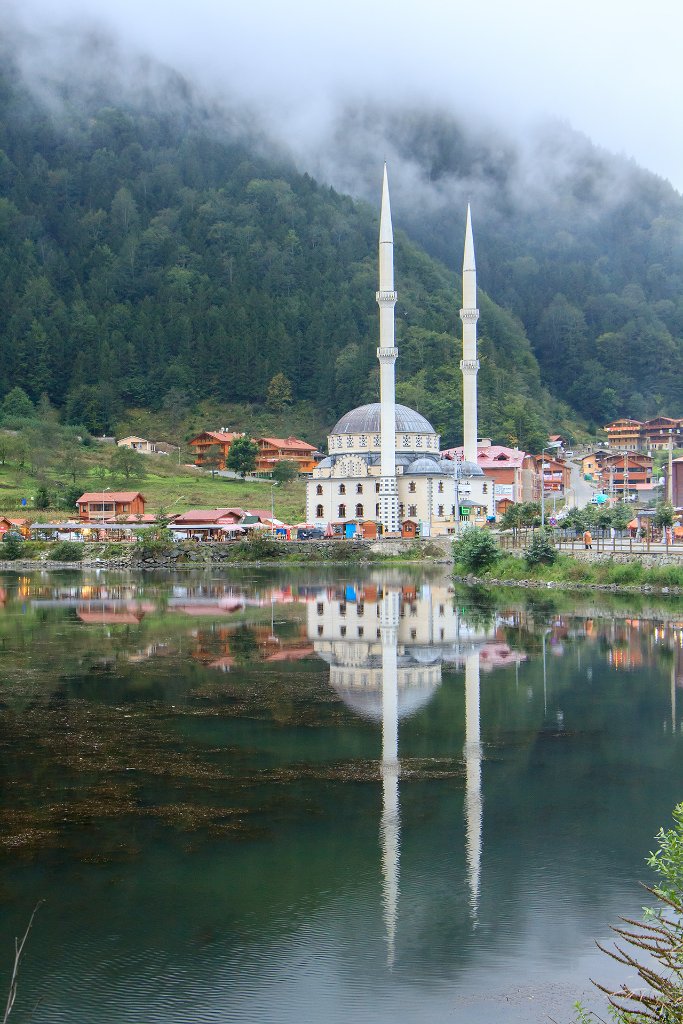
(611,69)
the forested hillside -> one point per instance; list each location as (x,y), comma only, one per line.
(146,261)
(583,246)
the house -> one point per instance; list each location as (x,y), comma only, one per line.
(677,480)
(208,524)
(591,463)
(137,444)
(556,474)
(105,505)
(8,524)
(213,439)
(512,472)
(272,450)
(624,434)
(661,433)
(626,473)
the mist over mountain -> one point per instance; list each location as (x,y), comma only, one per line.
(159,244)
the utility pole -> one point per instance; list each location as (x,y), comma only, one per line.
(669,475)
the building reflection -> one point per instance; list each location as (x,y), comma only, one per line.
(386,646)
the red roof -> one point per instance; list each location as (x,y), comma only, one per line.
(209,515)
(105,496)
(290,443)
(217,435)
(491,455)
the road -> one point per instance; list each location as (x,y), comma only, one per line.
(581,490)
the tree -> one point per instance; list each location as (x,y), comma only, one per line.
(541,551)
(284,472)
(656,945)
(664,514)
(127,463)
(17,404)
(475,550)
(279,393)
(242,456)
(42,498)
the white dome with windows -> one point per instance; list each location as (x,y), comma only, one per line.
(358,431)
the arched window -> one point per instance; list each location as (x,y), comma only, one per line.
(411,487)
(342,512)
(319,489)
(359,511)
(440,510)
(376,488)
(319,511)
(440,488)
(412,510)
(342,488)
(377,511)
(359,488)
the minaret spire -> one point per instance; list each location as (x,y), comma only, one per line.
(469,364)
(387,354)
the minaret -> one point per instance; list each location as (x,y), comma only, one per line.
(391,823)
(469,364)
(387,354)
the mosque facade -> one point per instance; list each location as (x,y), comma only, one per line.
(383,461)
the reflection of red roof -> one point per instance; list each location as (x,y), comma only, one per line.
(102,617)
(224,606)
(291,654)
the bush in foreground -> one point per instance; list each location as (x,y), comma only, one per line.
(67,551)
(476,550)
(541,551)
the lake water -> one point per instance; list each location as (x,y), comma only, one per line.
(332,797)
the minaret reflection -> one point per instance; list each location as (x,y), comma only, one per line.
(390,828)
(474,811)
(386,643)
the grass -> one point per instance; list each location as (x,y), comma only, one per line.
(165,485)
(572,570)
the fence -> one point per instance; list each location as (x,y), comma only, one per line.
(566,540)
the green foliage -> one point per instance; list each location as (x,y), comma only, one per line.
(42,498)
(12,547)
(279,393)
(284,472)
(259,545)
(128,464)
(242,456)
(664,514)
(67,551)
(652,951)
(475,550)
(541,550)
(17,405)
(524,513)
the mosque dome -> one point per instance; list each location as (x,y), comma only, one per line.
(470,469)
(366,420)
(425,467)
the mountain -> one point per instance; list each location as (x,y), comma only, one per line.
(582,246)
(153,254)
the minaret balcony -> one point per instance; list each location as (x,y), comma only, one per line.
(387,355)
(469,316)
(469,365)
(386,298)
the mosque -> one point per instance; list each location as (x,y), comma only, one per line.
(383,463)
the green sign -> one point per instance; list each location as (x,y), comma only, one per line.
(464,510)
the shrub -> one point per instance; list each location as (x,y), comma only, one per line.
(67,551)
(12,547)
(541,551)
(476,549)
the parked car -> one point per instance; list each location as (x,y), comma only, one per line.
(310,533)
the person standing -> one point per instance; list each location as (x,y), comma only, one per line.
(588,540)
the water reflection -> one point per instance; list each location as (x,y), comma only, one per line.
(376,789)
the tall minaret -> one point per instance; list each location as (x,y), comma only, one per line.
(469,364)
(387,354)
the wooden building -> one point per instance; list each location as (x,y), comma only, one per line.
(103,506)
(272,450)
(216,440)
(625,473)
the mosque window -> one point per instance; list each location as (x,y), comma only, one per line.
(441,634)
(412,510)
(320,608)
(377,510)
(349,441)
(342,512)
(440,510)
(360,610)
(319,489)
(411,487)
(359,488)
(360,631)
(413,634)
(401,510)
(359,511)
(440,487)
(379,633)
(363,441)
(342,630)
(342,608)
(339,442)
(342,488)
(376,440)
(319,512)
(418,441)
(406,441)
(484,488)
(376,488)
(320,630)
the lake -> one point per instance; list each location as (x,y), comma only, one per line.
(327,796)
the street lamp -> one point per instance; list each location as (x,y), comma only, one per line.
(548,448)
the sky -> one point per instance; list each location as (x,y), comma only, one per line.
(610,68)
